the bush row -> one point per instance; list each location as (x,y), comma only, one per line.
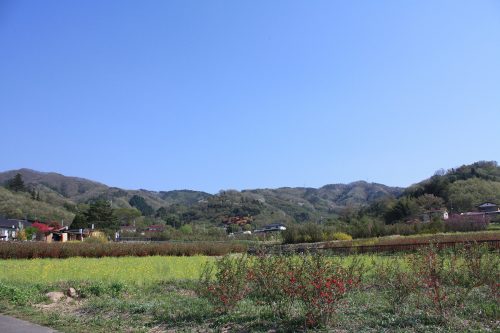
(311,285)
(313,288)
(30,250)
(311,232)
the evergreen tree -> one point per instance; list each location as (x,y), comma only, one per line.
(141,204)
(80,220)
(16,184)
(102,216)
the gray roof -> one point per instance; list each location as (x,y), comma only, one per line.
(12,223)
(487,204)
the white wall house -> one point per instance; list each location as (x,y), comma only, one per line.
(10,227)
(7,233)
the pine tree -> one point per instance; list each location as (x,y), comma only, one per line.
(33,194)
(16,184)
(102,216)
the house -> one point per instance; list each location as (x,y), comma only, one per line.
(49,234)
(487,207)
(76,234)
(128,229)
(45,232)
(427,216)
(271,228)
(155,228)
(81,234)
(9,228)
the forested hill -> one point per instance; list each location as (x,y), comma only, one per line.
(57,196)
(458,190)
(51,196)
(464,187)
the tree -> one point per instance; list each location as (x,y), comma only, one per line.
(101,215)
(30,232)
(141,204)
(405,207)
(127,216)
(430,202)
(16,184)
(186,229)
(80,221)
(172,220)
(32,193)
(161,212)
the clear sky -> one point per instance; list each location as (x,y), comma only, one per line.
(211,95)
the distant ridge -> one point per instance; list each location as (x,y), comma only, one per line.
(458,189)
(295,203)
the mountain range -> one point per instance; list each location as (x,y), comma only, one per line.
(51,196)
(59,195)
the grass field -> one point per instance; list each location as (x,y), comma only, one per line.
(159,294)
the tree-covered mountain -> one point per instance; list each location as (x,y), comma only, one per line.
(186,206)
(52,196)
(59,189)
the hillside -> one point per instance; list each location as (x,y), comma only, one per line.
(58,189)
(462,188)
(288,205)
(61,197)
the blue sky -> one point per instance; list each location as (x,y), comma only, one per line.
(211,95)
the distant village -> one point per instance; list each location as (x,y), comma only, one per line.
(44,231)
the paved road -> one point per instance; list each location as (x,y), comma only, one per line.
(13,325)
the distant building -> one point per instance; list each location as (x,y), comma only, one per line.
(128,229)
(488,207)
(155,228)
(435,213)
(271,228)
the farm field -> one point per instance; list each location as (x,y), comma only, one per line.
(164,294)
(127,270)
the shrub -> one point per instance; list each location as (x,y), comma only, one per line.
(273,279)
(398,282)
(474,266)
(320,286)
(314,283)
(225,284)
(341,236)
(429,266)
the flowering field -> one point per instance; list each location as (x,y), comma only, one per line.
(135,270)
